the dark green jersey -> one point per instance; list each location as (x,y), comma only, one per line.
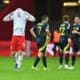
(77,28)
(40,29)
(65,29)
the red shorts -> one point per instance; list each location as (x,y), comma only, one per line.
(18,43)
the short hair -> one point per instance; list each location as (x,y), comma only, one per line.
(76,17)
(44,17)
(65,18)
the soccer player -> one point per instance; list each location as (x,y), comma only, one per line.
(65,40)
(56,39)
(19,18)
(40,32)
(75,39)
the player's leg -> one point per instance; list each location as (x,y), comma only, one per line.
(73,59)
(43,50)
(61,48)
(13,48)
(75,49)
(60,59)
(66,61)
(41,46)
(66,51)
(19,59)
(20,51)
(14,53)
(44,61)
(36,61)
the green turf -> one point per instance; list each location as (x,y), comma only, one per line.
(26,73)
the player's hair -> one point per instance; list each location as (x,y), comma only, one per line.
(65,18)
(44,17)
(76,17)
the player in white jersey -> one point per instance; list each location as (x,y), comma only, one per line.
(19,18)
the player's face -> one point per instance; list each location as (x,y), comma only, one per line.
(76,20)
(46,20)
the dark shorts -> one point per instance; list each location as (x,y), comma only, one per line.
(63,44)
(76,45)
(41,43)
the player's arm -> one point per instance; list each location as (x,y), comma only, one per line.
(32,32)
(75,32)
(69,34)
(30,17)
(9,17)
(69,40)
(47,31)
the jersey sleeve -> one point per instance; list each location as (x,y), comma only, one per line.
(29,16)
(34,28)
(46,27)
(9,17)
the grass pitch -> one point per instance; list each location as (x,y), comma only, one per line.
(26,73)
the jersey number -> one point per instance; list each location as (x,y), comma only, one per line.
(39,28)
(62,31)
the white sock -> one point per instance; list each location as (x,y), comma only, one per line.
(19,60)
(16,57)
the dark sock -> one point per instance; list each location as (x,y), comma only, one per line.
(44,61)
(66,59)
(73,59)
(36,61)
(61,58)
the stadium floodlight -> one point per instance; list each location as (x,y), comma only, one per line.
(6,1)
(70,4)
(79,1)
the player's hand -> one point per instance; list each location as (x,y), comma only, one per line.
(35,36)
(48,38)
(74,32)
(69,40)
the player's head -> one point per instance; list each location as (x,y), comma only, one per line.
(45,19)
(19,9)
(66,18)
(76,20)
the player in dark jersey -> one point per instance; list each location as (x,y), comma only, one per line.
(65,34)
(40,33)
(75,40)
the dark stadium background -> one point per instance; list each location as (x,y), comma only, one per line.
(53,8)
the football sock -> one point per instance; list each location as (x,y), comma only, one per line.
(66,59)
(61,58)
(19,60)
(36,61)
(16,57)
(44,61)
(73,59)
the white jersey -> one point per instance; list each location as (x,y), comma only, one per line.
(19,23)
(19,18)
